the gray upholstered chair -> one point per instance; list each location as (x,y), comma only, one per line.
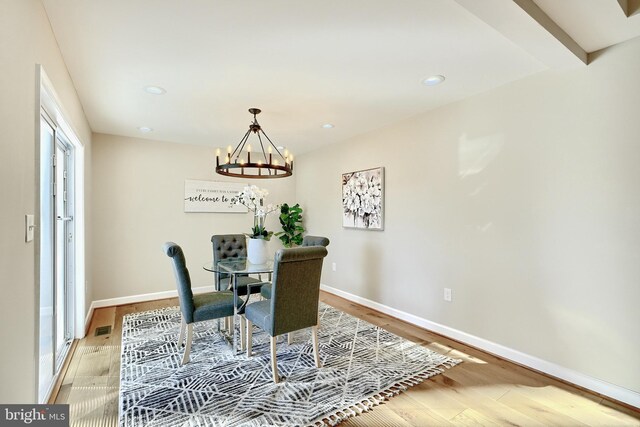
(229,246)
(294,300)
(315,241)
(265,290)
(195,308)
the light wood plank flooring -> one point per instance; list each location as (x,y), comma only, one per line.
(484,390)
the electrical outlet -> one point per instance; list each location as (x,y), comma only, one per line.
(333,266)
(447,294)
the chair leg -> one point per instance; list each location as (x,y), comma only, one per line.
(274,361)
(187,349)
(183,326)
(242,332)
(249,337)
(314,340)
(290,338)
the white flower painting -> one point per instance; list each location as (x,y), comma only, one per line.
(363,199)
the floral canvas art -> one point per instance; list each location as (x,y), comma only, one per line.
(363,199)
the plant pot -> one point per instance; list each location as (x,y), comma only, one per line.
(257,251)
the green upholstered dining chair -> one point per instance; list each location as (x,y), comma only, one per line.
(265,290)
(230,246)
(294,299)
(195,308)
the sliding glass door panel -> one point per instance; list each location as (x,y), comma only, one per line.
(46,367)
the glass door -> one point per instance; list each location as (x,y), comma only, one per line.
(63,197)
(46,368)
(56,253)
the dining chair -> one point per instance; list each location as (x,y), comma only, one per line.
(265,290)
(294,300)
(199,307)
(229,246)
(315,241)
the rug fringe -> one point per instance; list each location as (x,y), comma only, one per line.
(368,403)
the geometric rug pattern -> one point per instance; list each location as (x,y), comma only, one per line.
(362,365)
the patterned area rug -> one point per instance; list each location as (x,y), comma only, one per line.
(363,365)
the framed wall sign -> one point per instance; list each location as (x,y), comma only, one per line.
(212,196)
(363,199)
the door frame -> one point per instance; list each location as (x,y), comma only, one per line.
(47,101)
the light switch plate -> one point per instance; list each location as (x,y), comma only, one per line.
(29,227)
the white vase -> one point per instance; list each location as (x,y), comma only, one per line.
(257,251)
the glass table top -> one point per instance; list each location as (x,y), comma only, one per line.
(238,265)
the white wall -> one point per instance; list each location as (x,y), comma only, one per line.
(138,193)
(25,40)
(524,200)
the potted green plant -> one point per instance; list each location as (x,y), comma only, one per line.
(292,229)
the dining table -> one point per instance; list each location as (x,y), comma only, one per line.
(236,267)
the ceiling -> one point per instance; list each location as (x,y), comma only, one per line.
(595,24)
(356,64)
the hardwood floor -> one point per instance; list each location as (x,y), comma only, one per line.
(484,390)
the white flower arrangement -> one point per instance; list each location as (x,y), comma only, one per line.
(253,198)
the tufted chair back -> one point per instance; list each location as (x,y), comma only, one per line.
(228,246)
(315,241)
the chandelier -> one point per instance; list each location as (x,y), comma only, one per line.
(265,162)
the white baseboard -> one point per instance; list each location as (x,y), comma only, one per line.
(602,387)
(136,298)
(87,319)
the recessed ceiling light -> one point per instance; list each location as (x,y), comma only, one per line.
(155,90)
(327,125)
(433,80)
(145,129)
